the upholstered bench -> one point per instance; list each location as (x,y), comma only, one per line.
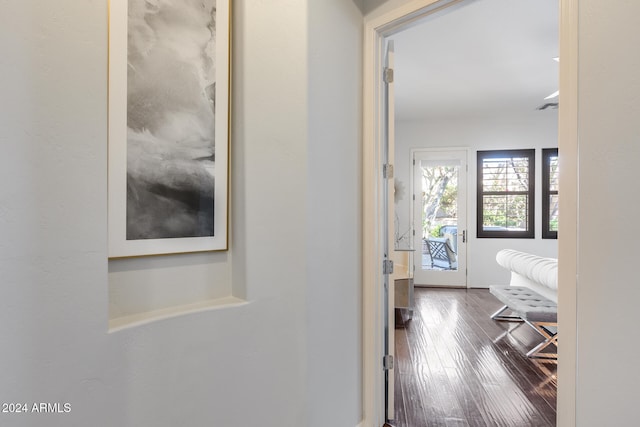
(532,308)
(532,271)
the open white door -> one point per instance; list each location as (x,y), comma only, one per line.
(387,153)
(440,217)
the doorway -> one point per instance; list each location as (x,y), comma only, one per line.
(377,28)
(440,217)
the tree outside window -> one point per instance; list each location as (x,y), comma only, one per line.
(439,198)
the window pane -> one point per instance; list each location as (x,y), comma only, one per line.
(518,174)
(505,174)
(550,187)
(553,173)
(508,212)
(517,212)
(494,213)
(553,212)
(494,175)
(439,197)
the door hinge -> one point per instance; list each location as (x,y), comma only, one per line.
(387,266)
(387,362)
(388,75)
(387,171)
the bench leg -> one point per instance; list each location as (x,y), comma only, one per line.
(550,338)
(499,316)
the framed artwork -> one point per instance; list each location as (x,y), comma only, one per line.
(168,126)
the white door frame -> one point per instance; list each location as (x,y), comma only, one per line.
(375,31)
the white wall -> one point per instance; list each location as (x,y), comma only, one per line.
(609,154)
(334,214)
(236,366)
(538,129)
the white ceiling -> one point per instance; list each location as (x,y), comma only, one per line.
(487,57)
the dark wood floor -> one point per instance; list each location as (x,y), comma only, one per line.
(457,367)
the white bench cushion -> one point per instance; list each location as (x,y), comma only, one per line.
(526,303)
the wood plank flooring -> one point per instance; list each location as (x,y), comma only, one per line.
(457,367)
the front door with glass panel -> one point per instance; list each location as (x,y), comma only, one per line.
(440,217)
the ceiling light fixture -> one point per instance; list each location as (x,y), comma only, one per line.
(556,93)
(553,95)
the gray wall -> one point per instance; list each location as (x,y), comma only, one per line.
(262,363)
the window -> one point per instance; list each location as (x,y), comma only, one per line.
(550,193)
(506,188)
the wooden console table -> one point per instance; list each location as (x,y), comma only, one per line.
(403,281)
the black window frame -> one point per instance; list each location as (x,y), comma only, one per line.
(530,154)
(547,154)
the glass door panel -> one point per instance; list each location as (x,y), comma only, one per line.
(440,218)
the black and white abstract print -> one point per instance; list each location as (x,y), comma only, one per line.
(170,118)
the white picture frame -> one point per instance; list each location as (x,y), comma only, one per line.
(168,135)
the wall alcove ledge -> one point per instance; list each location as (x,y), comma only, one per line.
(147,289)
